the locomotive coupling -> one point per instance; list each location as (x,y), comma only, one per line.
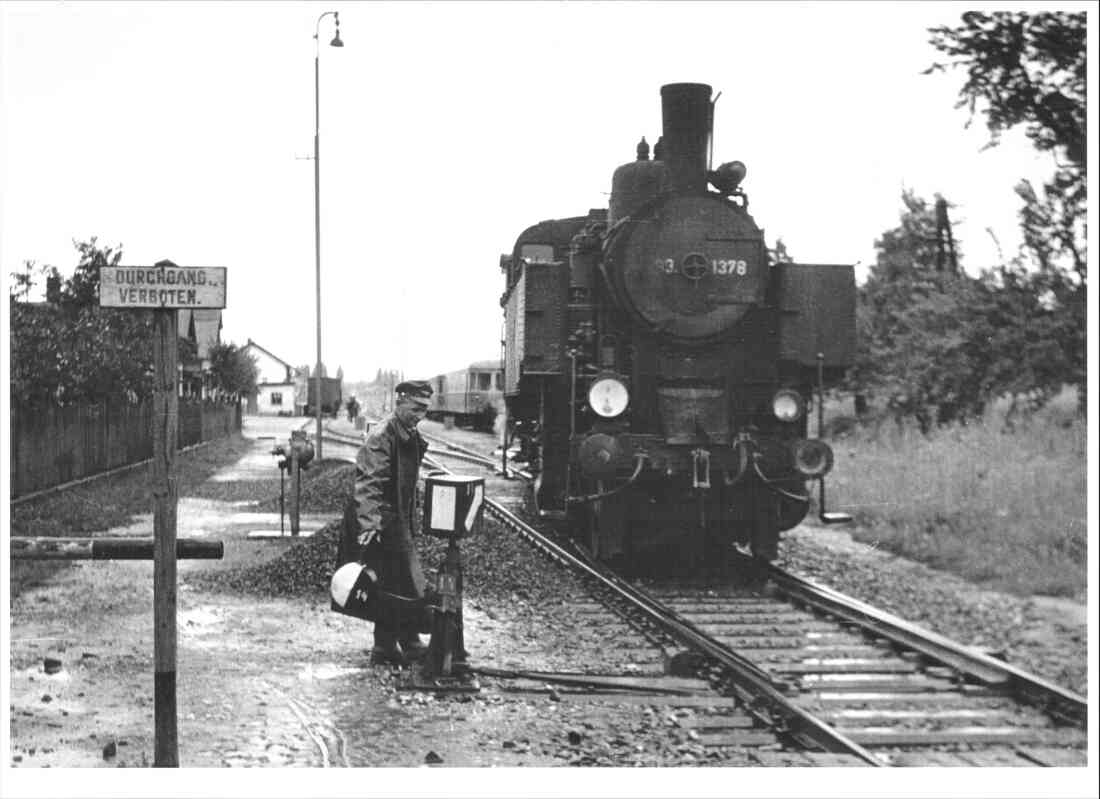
(700,473)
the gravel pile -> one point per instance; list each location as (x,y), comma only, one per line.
(303,570)
(326,486)
(999,623)
(498,567)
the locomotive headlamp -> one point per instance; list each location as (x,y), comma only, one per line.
(608,397)
(728,177)
(788,405)
(812,457)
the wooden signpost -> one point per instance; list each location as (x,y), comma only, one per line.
(165,288)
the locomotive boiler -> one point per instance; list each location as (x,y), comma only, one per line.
(660,367)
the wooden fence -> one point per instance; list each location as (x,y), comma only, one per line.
(51,446)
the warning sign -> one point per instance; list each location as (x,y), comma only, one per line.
(163,285)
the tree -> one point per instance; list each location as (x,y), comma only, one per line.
(1030,69)
(75,351)
(1025,68)
(1054,247)
(23,282)
(232,370)
(938,346)
(1020,335)
(83,287)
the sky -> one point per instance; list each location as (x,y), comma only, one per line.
(184,131)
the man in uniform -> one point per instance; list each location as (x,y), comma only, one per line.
(386,472)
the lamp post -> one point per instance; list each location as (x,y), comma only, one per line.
(317,196)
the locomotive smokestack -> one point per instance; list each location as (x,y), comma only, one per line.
(686,114)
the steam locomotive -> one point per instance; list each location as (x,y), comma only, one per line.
(660,366)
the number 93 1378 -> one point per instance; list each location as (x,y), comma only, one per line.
(715,266)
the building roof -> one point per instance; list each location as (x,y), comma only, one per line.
(269,353)
(203,325)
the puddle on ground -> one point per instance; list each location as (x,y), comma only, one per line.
(359,721)
(38,674)
(326,671)
(196,618)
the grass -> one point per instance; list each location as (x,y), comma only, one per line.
(113,501)
(1003,508)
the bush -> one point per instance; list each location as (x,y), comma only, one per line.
(995,504)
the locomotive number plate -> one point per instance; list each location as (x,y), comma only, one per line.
(695,266)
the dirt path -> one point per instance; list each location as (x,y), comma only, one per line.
(261,682)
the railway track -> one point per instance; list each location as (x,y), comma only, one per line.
(832,680)
(438,446)
(904,693)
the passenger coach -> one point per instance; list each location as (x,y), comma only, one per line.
(470,397)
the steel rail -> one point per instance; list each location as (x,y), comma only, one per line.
(462,456)
(754,686)
(1055,700)
(456,448)
(449,449)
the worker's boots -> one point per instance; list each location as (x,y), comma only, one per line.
(412,647)
(387,651)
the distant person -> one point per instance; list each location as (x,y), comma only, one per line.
(386,472)
(353,409)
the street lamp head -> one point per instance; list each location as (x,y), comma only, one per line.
(336,39)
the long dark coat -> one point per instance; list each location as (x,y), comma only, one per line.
(386,472)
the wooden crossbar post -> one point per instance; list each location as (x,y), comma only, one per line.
(164,287)
(166,498)
(49,548)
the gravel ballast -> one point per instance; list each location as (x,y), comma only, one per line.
(504,572)
(1037,636)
